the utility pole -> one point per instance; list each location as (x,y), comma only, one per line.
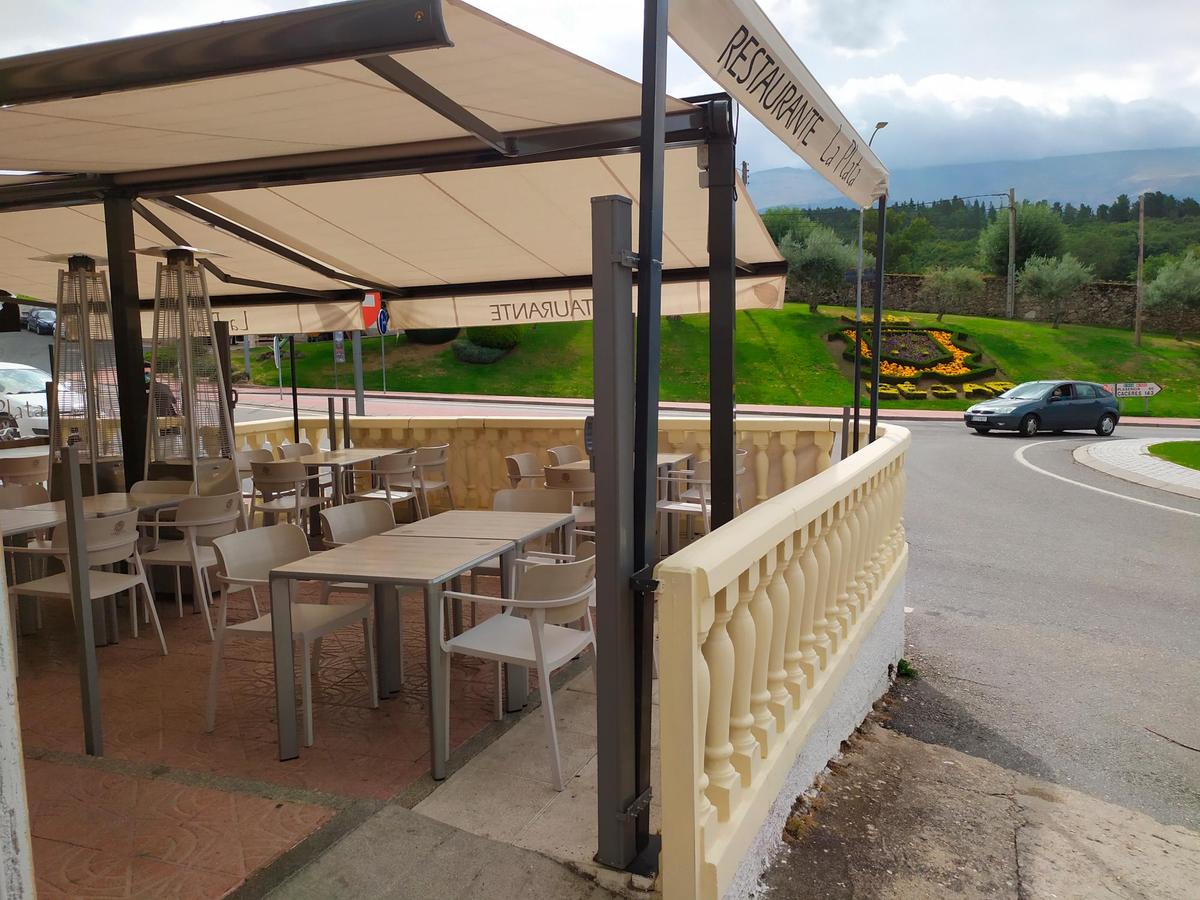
(1137,307)
(1010,304)
(745,172)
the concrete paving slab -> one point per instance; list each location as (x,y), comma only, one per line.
(1130,460)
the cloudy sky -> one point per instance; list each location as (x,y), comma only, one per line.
(958,80)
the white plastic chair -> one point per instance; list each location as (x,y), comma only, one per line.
(689,492)
(392,481)
(14,496)
(532,632)
(281,489)
(303,448)
(523,470)
(33,470)
(245,560)
(520,500)
(162,515)
(567,453)
(432,473)
(109,540)
(201,520)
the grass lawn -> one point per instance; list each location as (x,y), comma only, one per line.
(1182,453)
(782,358)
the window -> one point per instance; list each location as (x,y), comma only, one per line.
(1062,392)
(1086,392)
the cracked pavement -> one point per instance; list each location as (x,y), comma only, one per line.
(899,818)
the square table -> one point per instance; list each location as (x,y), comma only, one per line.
(337,460)
(518,527)
(383,562)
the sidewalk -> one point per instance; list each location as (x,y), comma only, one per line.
(403,403)
(900,818)
(1131,461)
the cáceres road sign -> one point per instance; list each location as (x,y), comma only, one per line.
(1133,389)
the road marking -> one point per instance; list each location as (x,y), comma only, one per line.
(1019,456)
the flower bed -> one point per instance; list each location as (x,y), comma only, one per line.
(914,353)
(943,392)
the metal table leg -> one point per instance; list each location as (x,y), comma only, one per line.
(516,678)
(439,683)
(285,681)
(387,638)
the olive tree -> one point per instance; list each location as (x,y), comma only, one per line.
(948,288)
(1177,284)
(819,261)
(1052,281)
(1039,233)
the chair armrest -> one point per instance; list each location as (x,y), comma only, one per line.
(477,598)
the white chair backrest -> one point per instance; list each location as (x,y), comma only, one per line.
(527,500)
(32,470)
(702,471)
(585,550)
(295,451)
(433,456)
(551,582)
(402,462)
(245,457)
(217,477)
(567,453)
(521,466)
(108,539)
(740,462)
(355,521)
(580,480)
(160,486)
(249,556)
(210,517)
(15,495)
(278,476)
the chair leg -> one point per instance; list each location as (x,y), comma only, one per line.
(254,601)
(201,596)
(369,647)
(499,692)
(179,591)
(148,599)
(214,678)
(306,678)
(450,496)
(551,727)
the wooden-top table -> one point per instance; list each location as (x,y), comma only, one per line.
(111,504)
(337,460)
(584,465)
(384,562)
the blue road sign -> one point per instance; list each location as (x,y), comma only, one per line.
(382,322)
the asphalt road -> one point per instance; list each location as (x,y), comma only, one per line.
(1053,625)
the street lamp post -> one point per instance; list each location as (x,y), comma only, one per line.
(858,309)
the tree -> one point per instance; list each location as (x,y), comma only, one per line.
(1039,233)
(948,288)
(783,220)
(1178,284)
(819,261)
(1053,281)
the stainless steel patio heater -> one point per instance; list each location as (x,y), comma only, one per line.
(84,410)
(188,416)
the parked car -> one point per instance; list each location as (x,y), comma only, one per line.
(1047,406)
(41,321)
(22,401)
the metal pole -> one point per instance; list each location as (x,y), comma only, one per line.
(1137,307)
(877,325)
(333,435)
(383,359)
(612,342)
(246,354)
(177,262)
(722,318)
(858,332)
(85,626)
(346,422)
(295,397)
(356,349)
(1010,297)
(127,333)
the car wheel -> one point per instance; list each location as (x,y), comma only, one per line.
(981,429)
(1029,425)
(1106,425)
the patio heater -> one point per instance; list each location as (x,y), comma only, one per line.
(188,415)
(84,410)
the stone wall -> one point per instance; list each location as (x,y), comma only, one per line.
(1105,303)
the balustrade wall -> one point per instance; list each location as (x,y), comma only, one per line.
(781,452)
(759,623)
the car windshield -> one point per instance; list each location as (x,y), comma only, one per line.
(1030,390)
(23,381)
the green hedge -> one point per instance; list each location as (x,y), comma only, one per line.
(466,350)
(431,335)
(497,337)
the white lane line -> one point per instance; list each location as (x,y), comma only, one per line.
(1019,456)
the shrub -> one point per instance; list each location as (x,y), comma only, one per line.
(950,288)
(466,350)
(431,335)
(819,261)
(910,391)
(976,390)
(1053,281)
(888,392)
(1039,233)
(943,392)
(496,337)
(1177,284)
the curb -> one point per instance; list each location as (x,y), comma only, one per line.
(1083,456)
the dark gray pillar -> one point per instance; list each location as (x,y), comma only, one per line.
(612,337)
(877,325)
(722,318)
(360,408)
(127,333)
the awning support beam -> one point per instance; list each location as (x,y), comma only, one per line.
(127,333)
(877,324)
(421,90)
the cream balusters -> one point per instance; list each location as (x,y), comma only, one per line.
(843,572)
(762,610)
(762,465)
(825,645)
(741,719)
(802,581)
(785,632)
(787,460)
(723,780)
(829,579)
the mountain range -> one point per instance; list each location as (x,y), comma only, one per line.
(1091,178)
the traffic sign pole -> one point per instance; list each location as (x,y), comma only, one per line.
(382,324)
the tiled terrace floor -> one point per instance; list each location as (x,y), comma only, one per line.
(172,811)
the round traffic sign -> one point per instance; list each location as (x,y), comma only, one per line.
(382,322)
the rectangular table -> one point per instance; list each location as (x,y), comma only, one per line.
(518,527)
(384,562)
(337,460)
(112,504)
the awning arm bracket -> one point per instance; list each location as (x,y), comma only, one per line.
(421,90)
